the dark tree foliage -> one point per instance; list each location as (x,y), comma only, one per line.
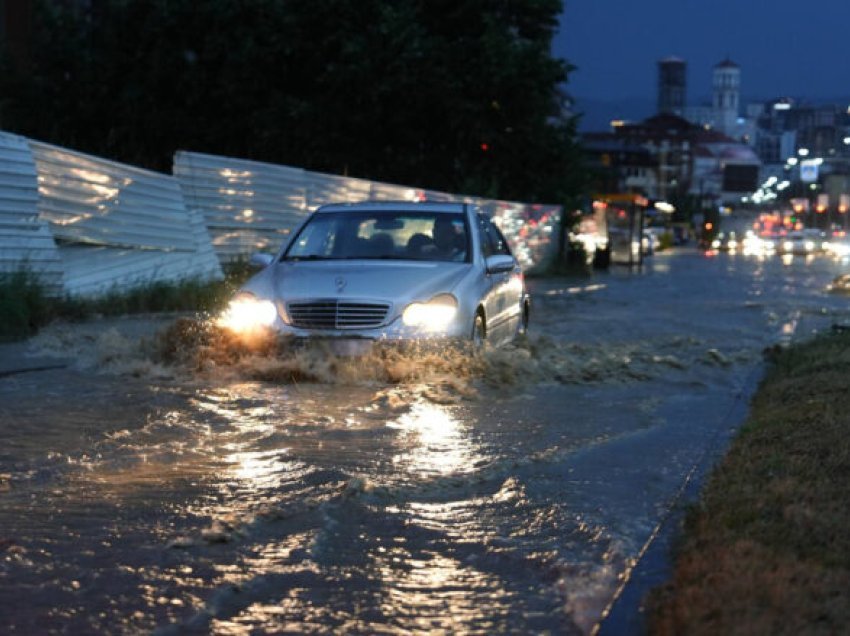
(455,95)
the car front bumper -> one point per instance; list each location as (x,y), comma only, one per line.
(395,332)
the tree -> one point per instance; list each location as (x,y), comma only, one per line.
(458,95)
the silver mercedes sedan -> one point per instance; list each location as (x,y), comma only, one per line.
(387,271)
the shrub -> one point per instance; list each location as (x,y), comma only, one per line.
(24,306)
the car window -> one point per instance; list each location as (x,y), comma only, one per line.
(486,245)
(448,239)
(316,239)
(382,234)
(493,241)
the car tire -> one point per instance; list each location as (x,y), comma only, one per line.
(479,331)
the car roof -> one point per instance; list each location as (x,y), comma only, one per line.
(423,206)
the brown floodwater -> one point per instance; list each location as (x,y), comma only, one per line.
(155,477)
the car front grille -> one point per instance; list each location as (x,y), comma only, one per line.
(337,314)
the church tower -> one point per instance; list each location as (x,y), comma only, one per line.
(727,96)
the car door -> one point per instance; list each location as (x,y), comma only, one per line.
(506,291)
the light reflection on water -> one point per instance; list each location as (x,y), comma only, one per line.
(260,469)
(434,442)
(440,593)
(369,507)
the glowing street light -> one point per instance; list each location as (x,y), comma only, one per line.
(800,205)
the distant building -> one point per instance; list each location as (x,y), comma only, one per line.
(726,85)
(724,112)
(672,84)
(725,152)
(702,115)
(668,158)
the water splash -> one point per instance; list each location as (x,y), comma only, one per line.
(192,349)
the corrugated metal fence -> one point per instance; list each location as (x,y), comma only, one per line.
(86,225)
(118,225)
(26,243)
(251,206)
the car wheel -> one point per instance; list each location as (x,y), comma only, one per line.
(479,331)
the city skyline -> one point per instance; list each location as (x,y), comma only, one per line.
(783,49)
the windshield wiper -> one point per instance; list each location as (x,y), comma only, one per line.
(316,257)
(307,257)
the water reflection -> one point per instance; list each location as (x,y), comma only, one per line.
(789,258)
(437,443)
(243,507)
(576,289)
(260,469)
(441,593)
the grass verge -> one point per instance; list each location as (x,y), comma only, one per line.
(25,306)
(767,548)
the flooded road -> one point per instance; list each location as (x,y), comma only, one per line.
(506,493)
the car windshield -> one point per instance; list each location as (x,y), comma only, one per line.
(382,234)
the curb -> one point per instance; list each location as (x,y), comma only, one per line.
(626,613)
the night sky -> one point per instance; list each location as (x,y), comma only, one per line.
(797,48)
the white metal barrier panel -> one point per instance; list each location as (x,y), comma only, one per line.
(86,225)
(118,226)
(26,243)
(252,206)
(91,200)
(247,206)
(531,230)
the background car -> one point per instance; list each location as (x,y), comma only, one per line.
(838,245)
(388,271)
(726,241)
(799,243)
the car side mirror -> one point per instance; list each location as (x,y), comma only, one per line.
(500,263)
(260,260)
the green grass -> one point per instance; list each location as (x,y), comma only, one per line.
(767,548)
(25,305)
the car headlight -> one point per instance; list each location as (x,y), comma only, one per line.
(246,312)
(434,315)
